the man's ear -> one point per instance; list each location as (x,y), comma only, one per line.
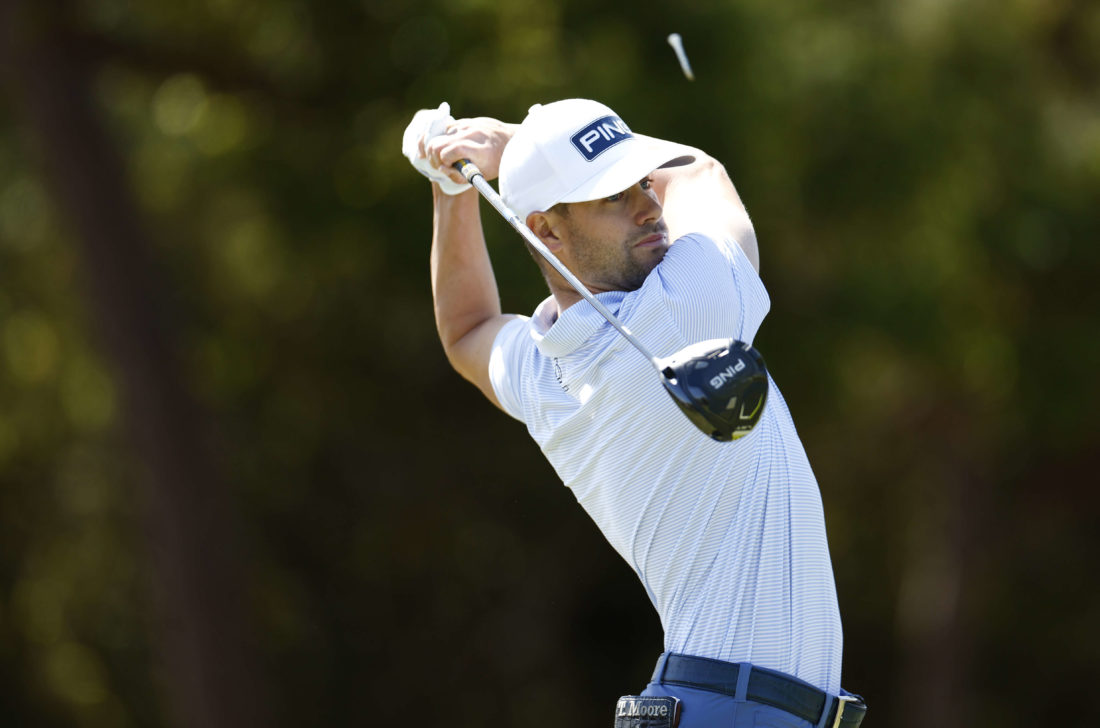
(546,228)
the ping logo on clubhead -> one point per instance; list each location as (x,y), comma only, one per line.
(727,374)
(599,136)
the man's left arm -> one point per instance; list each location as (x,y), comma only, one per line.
(700,197)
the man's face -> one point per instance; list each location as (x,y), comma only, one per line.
(613,243)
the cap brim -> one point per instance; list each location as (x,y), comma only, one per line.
(649,154)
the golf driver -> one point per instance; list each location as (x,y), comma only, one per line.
(720,384)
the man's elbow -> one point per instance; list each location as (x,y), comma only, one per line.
(457,360)
(468,347)
(453,350)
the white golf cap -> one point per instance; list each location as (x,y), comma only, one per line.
(577,150)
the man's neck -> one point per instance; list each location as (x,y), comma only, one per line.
(566,295)
(565,298)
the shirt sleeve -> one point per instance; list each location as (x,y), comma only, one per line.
(712,290)
(506,362)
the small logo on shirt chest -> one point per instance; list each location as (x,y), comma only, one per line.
(559,376)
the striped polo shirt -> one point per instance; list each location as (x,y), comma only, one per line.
(728,539)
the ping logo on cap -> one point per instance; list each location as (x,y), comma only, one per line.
(599,136)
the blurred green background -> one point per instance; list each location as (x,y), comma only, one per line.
(240,486)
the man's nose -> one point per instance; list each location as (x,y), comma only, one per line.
(648,208)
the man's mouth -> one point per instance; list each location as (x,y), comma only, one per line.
(651,241)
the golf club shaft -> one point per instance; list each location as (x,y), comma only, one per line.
(474,176)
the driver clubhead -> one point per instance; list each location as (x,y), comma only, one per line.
(720,384)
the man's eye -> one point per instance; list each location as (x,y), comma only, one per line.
(615,198)
(646,183)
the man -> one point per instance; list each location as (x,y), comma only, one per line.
(727,538)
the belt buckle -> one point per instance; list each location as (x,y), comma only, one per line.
(842,701)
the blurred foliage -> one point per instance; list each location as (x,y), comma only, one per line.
(924,177)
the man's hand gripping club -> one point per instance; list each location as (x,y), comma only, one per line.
(434,141)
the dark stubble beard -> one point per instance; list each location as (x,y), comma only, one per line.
(614,268)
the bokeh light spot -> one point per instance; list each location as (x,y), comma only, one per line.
(75,674)
(24,214)
(251,255)
(37,607)
(222,127)
(162,171)
(179,104)
(87,395)
(31,347)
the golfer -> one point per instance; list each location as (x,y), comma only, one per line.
(727,538)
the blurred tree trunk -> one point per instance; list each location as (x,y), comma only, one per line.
(200,635)
(949,506)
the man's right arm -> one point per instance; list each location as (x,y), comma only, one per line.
(467,305)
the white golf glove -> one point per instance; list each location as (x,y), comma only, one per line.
(427,124)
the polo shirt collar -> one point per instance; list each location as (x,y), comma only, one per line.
(560,335)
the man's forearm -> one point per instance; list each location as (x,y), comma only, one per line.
(463,285)
(700,197)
